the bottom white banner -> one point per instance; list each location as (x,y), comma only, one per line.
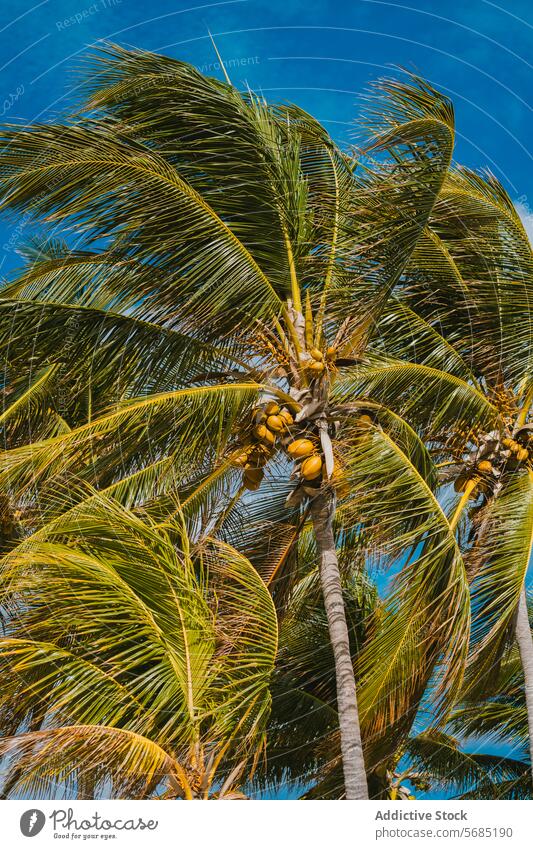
(258,824)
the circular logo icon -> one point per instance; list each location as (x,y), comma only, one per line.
(32,822)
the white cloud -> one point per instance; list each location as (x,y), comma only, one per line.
(527,217)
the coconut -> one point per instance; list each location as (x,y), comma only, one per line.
(272,409)
(262,433)
(316,367)
(300,448)
(312,467)
(484,466)
(331,353)
(340,481)
(241,459)
(316,354)
(275,423)
(365,421)
(522,454)
(253,474)
(287,418)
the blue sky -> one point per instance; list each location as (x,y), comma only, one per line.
(319,54)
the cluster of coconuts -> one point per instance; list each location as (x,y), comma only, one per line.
(481,471)
(520,452)
(499,453)
(269,422)
(272,425)
(314,361)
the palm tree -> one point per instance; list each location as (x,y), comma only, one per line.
(147,659)
(466,386)
(219,265)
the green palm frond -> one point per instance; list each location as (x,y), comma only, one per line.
(426,396)
(26,407)
(71,757)
(114,355)
(498,711)
(503,550)
(89,177)
(407,527)
(405,334)
(143,637)
(189,423)
(439,756)
(413,125)
(486,238)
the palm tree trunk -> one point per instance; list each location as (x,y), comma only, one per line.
(525,646)
(355,783)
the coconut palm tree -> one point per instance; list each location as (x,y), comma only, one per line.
(147,660)
(216,266)
(460,329)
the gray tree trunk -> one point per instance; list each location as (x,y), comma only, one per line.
(355,783)
(525,645)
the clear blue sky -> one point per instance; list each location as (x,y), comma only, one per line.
(319,54)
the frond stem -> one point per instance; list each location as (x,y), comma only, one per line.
(471,485)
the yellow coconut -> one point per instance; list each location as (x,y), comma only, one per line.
(365,421)
(287,418)
(522,454)
(260,431)
(316,354)
(275,423)
(241,459)
(340,481)
(316,367)
(269,439)
(484,466)
(272,409)
(312,467)
(265,435)
(331,353)
(508,442)
(300,448)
